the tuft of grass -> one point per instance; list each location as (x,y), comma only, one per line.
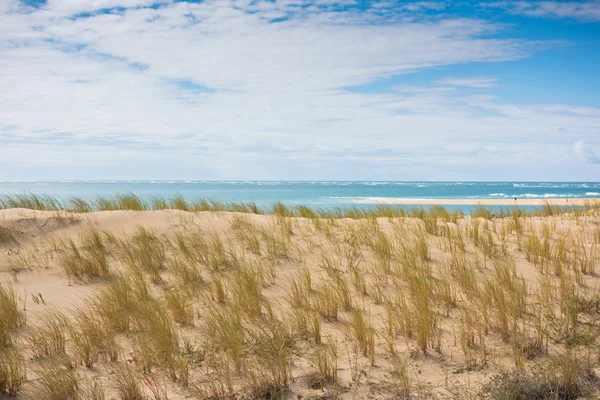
(179,203)
(187,274)
(22,262)
(281,210)
(425,317)
(226,329)
(128,383)
(218,256)
(158,203)
(120,299)
(179,304)
(325,362)
(326,301)
(364,334)
(130,202)
(79,205)
(57,379)
(157,341)
(567,378)
(220,290)
(277,245)
(120,202)
(31,202)
(90,261)
(11,316)
(400,374)
(92,339)
(12,371)
(300,287)
(91,389)
(506,295)
(306,212)
(246,290)
(49,336)
(145,252)
(271,347)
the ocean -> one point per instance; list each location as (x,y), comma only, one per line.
(313,194)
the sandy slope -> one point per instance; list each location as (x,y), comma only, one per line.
(441,371)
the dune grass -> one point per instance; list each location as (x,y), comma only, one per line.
(49,335)
(57,379)
(128,383)
(564,378)
(12,371)
(92,339)
(11,313)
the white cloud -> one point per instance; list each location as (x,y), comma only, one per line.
(585,153)
(8,6)
(583,11)
(425,5)
(477,82)
(110,92)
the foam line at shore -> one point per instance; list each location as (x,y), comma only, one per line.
(483,202)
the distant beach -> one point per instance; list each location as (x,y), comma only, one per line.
(484,202)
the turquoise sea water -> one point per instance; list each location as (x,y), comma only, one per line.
(314,194)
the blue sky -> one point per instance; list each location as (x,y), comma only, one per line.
(300,89)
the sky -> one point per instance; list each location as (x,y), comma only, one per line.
(300,90)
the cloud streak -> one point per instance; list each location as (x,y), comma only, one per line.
(478,82)
(587,11)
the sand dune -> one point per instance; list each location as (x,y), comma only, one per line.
(222,304)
